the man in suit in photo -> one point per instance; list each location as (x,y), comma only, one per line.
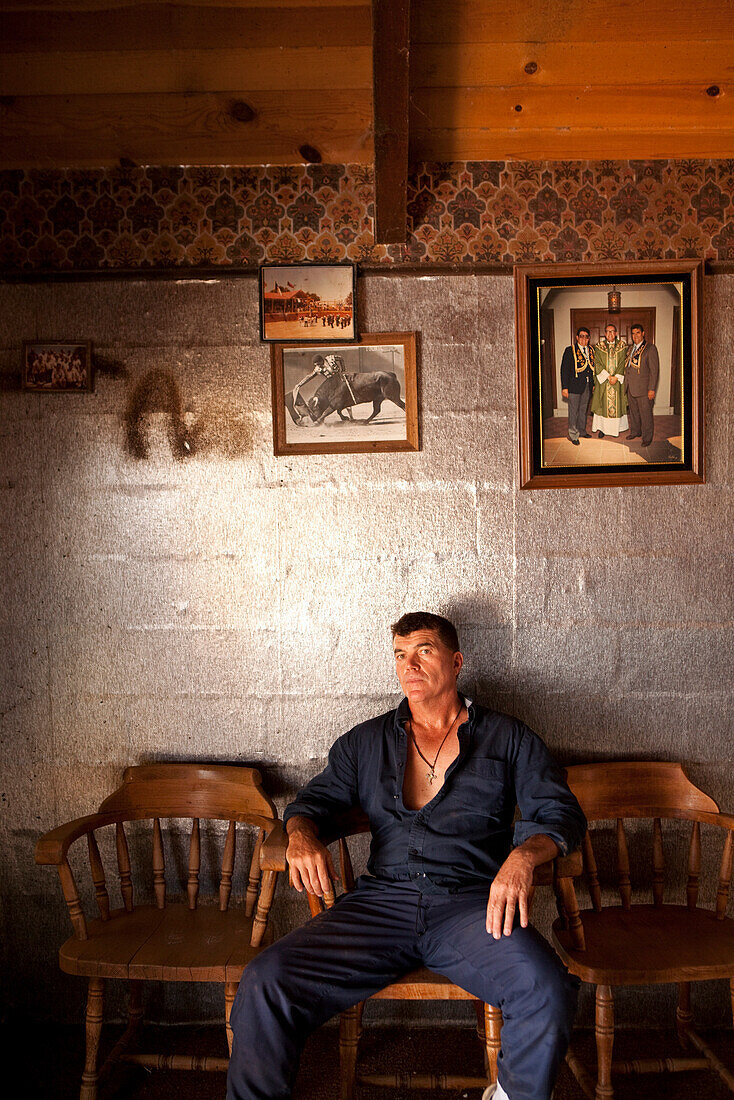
(577,382)
(641,374)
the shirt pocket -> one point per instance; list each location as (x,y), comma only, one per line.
(485,788)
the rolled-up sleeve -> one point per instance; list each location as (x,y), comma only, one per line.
(545,801)
(332,791)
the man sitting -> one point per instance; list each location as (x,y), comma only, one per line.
(447,884)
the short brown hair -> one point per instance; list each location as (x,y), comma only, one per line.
(426,620)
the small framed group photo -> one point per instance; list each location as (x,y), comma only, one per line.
(52,367)
(314,303)
(609,373)
(346,398)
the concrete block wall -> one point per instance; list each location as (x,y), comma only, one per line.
(233,606)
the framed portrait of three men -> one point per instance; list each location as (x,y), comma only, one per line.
(609,373)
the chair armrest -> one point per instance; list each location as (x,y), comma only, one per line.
(273,848)
(52,847)
(571,866)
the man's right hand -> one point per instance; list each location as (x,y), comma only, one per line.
(310,862)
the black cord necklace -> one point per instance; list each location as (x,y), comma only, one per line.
(431,773)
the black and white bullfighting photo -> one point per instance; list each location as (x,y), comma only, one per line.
(355,393)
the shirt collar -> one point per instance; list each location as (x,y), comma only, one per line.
(402,712)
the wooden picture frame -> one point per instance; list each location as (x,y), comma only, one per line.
(308,303)
(662,301)
(360,398)
(54,366)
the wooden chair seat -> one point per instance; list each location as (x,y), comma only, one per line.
(422,985)
(646,944)
(170,945)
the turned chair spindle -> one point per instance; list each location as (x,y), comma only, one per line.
(592,873)
(123,864)
(722,892)
(159,865)
(228,857)
(658,874)
(253,882)
(98,878)
(694,865)
(192,887)
(623,866)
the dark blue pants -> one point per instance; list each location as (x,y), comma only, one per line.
(373,935)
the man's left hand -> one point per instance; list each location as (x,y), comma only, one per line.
(510,891)
(650,394)
(512,885)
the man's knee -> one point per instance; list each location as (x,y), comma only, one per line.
(543,984)
(260,982)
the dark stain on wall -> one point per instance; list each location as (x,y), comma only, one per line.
(112,368)
(157,391)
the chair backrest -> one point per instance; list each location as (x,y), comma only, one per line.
(193,791)
(617,790)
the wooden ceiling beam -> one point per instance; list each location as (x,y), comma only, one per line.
(391,70)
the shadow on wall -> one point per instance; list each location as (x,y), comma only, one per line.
(157,391)
(214,430)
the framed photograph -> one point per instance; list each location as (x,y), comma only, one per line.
(54,367)
(609,373)
(315,303)
(347,398)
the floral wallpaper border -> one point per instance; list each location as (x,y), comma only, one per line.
(483,212)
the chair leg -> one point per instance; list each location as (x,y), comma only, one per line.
(492,1030)
(230,992)
(135,1007)
(604,1042)
(683,1014)
(350,1029)
(90,1076)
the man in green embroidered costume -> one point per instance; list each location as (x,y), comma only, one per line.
(609,401)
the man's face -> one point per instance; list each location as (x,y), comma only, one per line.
(426,668)
(583,339)
(611,333)
(637,335)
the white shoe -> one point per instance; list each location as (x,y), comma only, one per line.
(495,1092)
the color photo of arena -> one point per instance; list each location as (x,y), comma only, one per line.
(307,302)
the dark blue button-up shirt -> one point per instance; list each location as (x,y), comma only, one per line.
(463,835)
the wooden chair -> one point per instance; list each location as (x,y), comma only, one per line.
(158,941)
(641,944)
(418,985)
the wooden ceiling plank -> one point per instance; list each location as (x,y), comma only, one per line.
(153,71)
(391,73)
(178,27)
(562,144)
(106,5)
(637,109)
(612,23)
(492,64)
(88,130)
